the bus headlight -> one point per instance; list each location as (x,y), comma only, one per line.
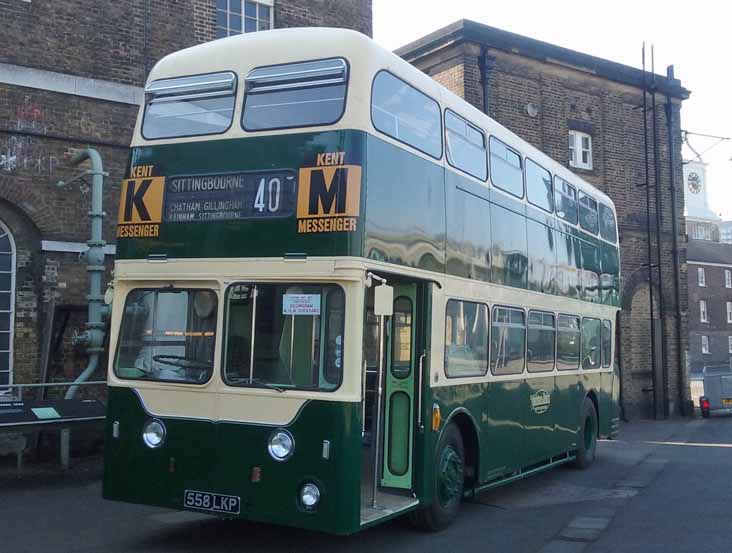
(309,496)
(153,433)
(281,445)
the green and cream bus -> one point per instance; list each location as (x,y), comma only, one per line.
(342,294)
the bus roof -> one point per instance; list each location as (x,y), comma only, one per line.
(242,53)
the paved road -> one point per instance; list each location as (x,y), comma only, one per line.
(663,487)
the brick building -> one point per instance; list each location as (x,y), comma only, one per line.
(71,76)
(586,112)
(710,304)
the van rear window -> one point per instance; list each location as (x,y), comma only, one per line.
(295,95)
(189,106)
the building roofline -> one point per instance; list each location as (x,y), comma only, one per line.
(465,30)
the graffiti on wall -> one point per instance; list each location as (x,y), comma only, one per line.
(25,153)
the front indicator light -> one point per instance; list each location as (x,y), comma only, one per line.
(153,433)
(309,496)
(281,445)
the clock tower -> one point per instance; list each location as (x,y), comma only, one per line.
(702,221)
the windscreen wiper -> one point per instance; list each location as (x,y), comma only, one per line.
(265,384)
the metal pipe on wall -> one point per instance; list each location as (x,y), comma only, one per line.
(659,223)
(648,231)
(675,243)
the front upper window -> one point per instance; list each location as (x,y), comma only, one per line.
(295,95)
(167,334)
(189,106)
(284,336)
(236,16)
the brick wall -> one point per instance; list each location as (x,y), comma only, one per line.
(568,98)
(351,14)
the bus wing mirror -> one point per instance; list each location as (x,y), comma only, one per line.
(384,300)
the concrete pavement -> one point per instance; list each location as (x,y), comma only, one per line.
(663,486)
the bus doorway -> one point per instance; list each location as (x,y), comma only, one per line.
(390,403)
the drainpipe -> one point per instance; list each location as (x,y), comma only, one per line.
(486,65)
(675,251)
(93,337)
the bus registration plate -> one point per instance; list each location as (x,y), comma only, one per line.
(216,502)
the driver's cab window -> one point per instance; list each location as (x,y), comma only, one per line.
(167,334)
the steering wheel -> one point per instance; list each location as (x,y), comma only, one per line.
(182,362)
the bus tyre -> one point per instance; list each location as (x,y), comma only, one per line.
(449,479)
(587,436)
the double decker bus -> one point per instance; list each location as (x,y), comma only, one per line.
(342,294)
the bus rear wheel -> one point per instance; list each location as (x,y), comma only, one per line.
(587,436)
(449,480)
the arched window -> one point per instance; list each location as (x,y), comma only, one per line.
(7,305)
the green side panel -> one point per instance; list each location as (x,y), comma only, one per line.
(219,457)
(272,237)
(468,235)
(405,208)
(542,438)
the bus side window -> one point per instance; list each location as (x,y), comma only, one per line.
(406,114)
(466,339)
(508,341)
(541,339)
(539,186)
(588,213)
(568,342)
(506,168)
(465,146)
(565,197)
(608,229)
(607,343)
(591,339)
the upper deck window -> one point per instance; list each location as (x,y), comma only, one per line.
(465,146)
(403,112)
(565,196)
(607,224)
(506,171)
(539,186)
(295,95)
(189,106)
(588,213)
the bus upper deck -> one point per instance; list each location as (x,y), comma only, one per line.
(339,147)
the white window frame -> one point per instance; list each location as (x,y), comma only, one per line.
(703,313)
(727,278)
(729,312)
(577,149)
(229,32)
(702,276)
(705,344)
(11,331)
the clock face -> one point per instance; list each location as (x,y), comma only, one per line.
(694,183)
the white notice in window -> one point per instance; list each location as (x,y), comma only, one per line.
(301,304)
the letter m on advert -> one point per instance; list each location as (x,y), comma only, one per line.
(333,191)
(141,201)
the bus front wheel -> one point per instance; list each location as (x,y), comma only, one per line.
(449,479)
(587,436)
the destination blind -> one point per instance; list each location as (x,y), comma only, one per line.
(230,196)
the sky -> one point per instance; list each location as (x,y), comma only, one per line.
(697,40)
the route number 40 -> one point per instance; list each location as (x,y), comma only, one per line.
(268,195)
